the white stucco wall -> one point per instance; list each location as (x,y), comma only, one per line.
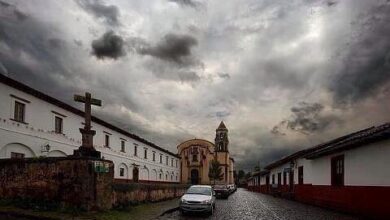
(363,166)
(275,171)
(39,131)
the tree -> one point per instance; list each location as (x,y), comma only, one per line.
(241,174)
(215,171)
(247,175)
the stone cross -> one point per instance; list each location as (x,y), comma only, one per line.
(87,133)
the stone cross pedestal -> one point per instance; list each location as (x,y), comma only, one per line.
(86,149)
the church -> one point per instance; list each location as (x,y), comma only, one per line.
(196,156)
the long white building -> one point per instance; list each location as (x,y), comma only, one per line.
(350,173)
(33,124)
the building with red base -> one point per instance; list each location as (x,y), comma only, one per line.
(349,174)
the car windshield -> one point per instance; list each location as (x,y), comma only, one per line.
(199,190)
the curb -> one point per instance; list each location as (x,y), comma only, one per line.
(169,211)
(21,215)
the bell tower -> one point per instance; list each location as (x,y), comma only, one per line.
(221,152)
(221,138)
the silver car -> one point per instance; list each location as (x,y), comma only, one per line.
(198,198)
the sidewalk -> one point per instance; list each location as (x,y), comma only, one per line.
(143,211)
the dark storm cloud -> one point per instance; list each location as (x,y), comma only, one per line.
(172,73)
(109,45)
(173,48)
(189,76)
(56,43)
(38,44)
(366,66)
(4,4)
(306,118)
(110,13)
(189,3)
(222,114)
(331,3)
(3,69)
(224,75)
(262,156)
(20,15)
(78,42)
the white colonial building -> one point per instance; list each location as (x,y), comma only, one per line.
(350,173)
(33,124)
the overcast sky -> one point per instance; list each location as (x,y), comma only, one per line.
(283,75)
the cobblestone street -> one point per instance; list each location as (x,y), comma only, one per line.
(249,205)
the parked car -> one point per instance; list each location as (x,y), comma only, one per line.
(232,188)
(221,191)
(198,198)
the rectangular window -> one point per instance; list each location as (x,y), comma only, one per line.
(160,158)
(19,111)
(123,146)
(58,125)
(273,178)
(284,178)
(154,156)
(172,162)
(166,161)
(107,140)
(145,153)
(267,180)
(337,170)
(279,179)
(121,171)
(195,158)
(135,150)
(300,175)
(176,163)
(17,155)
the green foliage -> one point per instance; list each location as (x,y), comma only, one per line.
(241,174)
(215,171)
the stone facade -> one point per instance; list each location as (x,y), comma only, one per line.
(68,182)
(196,156)
(125,194)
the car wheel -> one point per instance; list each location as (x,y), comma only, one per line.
(182,212)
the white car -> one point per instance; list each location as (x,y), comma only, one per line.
(198,198)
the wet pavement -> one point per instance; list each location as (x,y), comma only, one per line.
(244,204)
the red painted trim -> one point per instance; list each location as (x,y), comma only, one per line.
(370,201)
(367,201)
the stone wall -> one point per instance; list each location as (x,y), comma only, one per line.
(66,181)
(125,194)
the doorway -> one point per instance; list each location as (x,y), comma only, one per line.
(194,177)
(135,174)
(291,180)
